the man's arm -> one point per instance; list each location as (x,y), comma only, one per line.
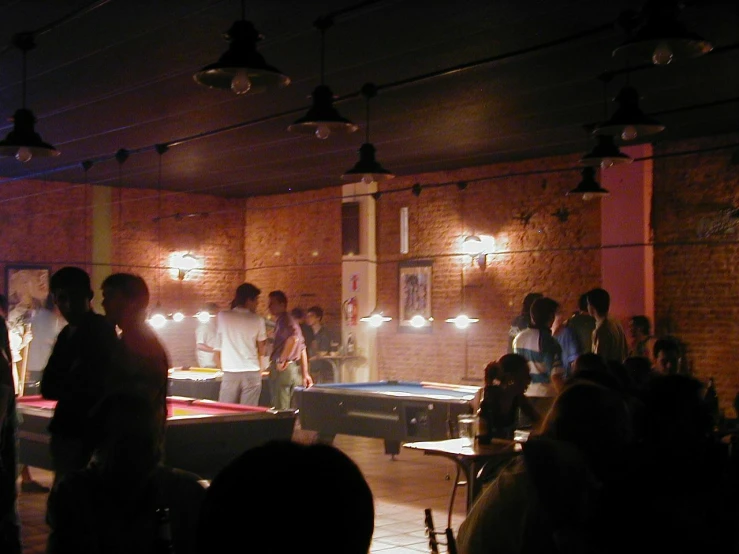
(307,379)
(286,347)
(261,350)
(55,372)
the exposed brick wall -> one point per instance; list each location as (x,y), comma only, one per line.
(696,277)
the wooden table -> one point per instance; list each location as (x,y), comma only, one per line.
(470,459)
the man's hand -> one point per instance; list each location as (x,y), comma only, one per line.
(307,381)
(281,365)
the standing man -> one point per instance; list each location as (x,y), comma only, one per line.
(289,359)
(583,324)
(205,337)
(543,353)
(609,339)
(77,372)
(142,364)
(320,345)
(240,341)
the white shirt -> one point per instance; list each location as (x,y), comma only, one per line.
(239,330)
(205,333)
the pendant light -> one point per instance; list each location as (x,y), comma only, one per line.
(368,169)
(605,153)
(628,121)
(241,68)
(588,188)
(662,39)
(322,118)
(23,141)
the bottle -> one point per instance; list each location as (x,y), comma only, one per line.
(485,417)
(163,542)
(350,345)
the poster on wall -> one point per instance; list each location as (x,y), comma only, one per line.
(27,288)
(414,279)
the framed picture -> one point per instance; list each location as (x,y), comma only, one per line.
(27,288)
(414,279)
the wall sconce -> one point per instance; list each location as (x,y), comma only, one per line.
(462,321)
(418,321)
(375,320)
(157,318)
(182,264)
(478,247)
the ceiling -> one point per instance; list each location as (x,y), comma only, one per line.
(118,74)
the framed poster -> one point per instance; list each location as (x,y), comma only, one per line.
(27,288)
(414,279)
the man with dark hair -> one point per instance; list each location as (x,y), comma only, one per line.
(609,339)
(667,359)
(241,337)
(289,358)
(641,338)
(523,320)
(301,316)
(77,372)
(583,324)
(334,505)
(543,354)
(205,336)
(142,363)
(320,345)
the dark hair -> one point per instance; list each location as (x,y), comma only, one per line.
(297,313)
(666,345)
(600,300)
(244,293)
(336,492)
(583,302)
(507,364)
(528,301)
(49,302)
(4,303)
(132,287)
(543,311)
(316,311)
(279,296)
(71,279)
(641,322)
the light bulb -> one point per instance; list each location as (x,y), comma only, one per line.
(368,178)
(241,84)
(375,320)
(606,163)
(203,317)
(662,54)
(23,155)
(629,133)
(178,317)
(418,321)
(588,196)
(462,322)
(157,321)
(323,132)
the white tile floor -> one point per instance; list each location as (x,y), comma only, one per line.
(403,488)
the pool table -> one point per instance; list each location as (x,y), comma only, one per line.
(205,382)
(202,436)
(396,411)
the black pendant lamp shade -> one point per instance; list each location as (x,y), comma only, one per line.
(662,39)
(241,68)
(628,121)
(367,169)
(605,154)
(588,188)
(23,141)
(322,119)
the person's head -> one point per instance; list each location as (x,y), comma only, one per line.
(334,504)
(298,314)
(543,311)
(666,353)
(125,299)
(528,300)
(599,302)
(277,303)
(595,419)
(582,303)
(639,327)
(129,443)
(72,293)
(510,372)
(3,306)
(314,315)
(247,296)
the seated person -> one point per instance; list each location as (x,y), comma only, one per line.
(111,506)
(285,498)
(541,502)
(506,381)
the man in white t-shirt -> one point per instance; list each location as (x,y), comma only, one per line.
(205,337)
(240,339)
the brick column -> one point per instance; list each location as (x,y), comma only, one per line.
(627,259)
